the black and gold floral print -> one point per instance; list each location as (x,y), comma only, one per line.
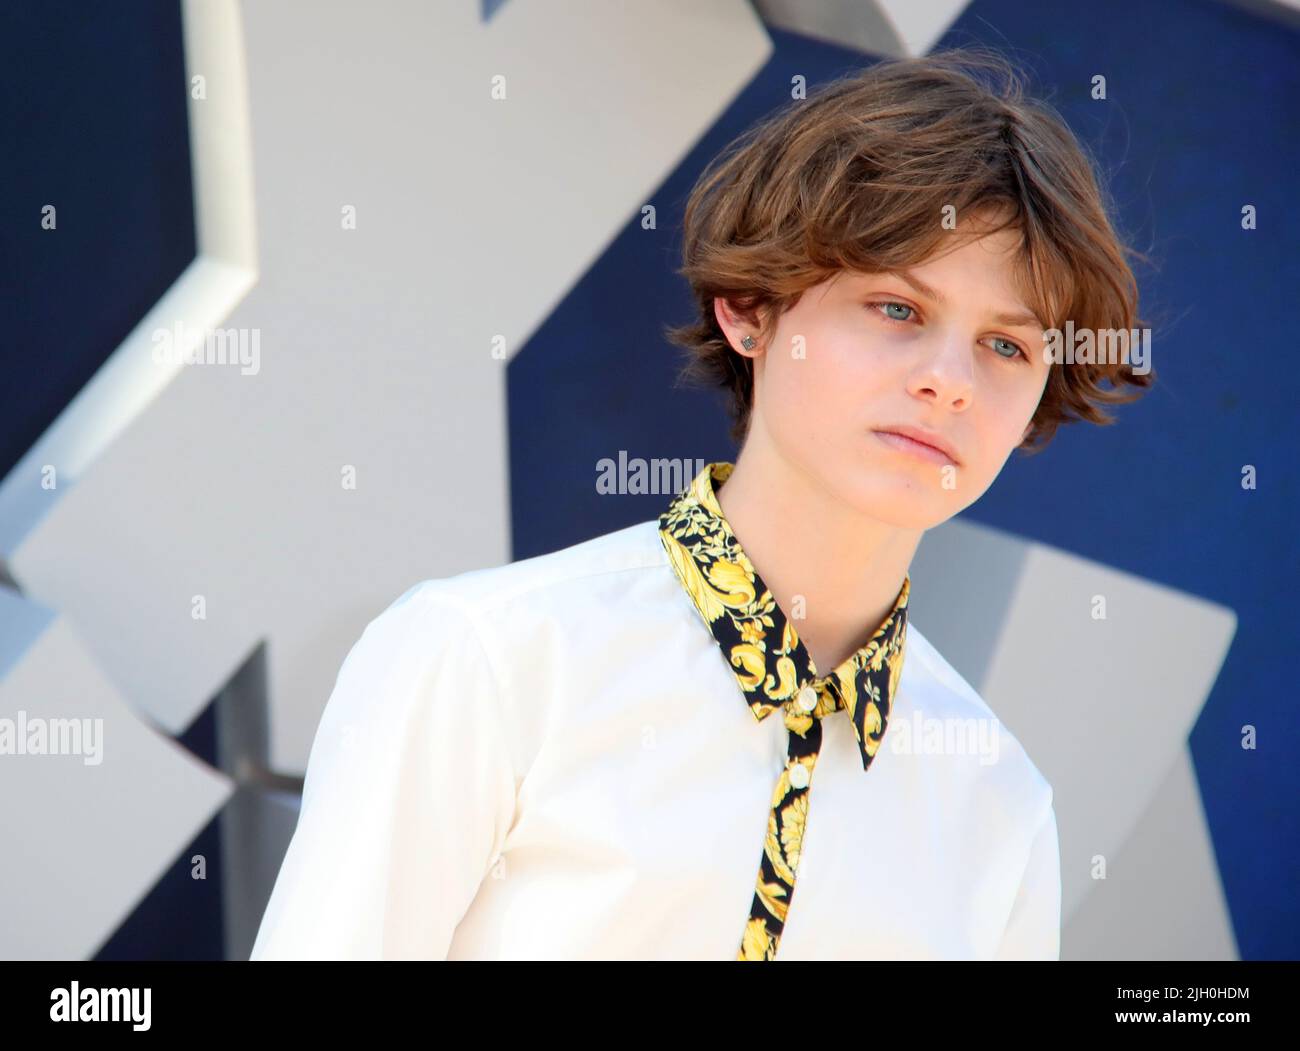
(776,671)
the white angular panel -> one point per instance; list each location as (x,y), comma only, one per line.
(1104,706)
(896,28)
(920,23)
(474,215)
(860,24)
(1104,709)
(87,830)
(1161,898)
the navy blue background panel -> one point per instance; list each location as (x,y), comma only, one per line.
(98,99)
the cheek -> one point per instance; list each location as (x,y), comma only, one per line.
(834,373)
(1022,406)
(1003,422)
(797,383)
(825,394)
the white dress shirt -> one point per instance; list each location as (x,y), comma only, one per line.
(552,759)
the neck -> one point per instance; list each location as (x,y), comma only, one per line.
(805,541)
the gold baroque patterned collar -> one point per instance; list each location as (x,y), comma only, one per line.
(762,647)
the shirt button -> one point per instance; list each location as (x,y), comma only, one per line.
(799,776)
(807,698)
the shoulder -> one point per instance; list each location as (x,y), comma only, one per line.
(630,550)
(517,631)
(575,584)
(935,689)
(485,634)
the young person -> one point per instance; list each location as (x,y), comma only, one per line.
(693,737)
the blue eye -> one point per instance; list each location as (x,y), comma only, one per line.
(896,306)
(1014,347)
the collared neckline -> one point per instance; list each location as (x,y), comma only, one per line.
(762,647)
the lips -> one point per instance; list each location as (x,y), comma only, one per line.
(918,444)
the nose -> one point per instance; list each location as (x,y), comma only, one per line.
(945,372)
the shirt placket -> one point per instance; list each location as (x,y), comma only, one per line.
(787,820)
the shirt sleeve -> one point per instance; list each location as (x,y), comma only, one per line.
(408,794)
(1033,931)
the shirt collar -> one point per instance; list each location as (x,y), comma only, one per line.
(761,646)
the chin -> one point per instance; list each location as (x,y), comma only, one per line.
(918,516)
(905,500)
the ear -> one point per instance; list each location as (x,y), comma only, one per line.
(727,320)
(735,326)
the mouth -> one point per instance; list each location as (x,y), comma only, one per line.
(914,447)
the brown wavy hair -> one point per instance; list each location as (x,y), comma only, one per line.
(855,177)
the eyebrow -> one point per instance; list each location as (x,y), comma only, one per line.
(1026,319)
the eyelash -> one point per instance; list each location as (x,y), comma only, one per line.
(1020,351)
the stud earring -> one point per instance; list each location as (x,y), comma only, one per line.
(748,342)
